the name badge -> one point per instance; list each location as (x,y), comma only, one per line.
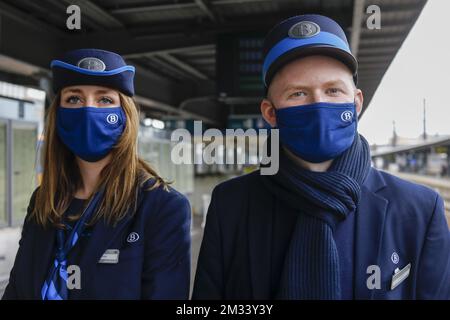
(400,275)
(110,256)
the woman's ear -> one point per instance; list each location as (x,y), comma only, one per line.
(268,112)
(359,99)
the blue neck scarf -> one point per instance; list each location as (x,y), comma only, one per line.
(322,199)
(55,286)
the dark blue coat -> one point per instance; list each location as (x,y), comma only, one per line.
(397,223)
(156,266)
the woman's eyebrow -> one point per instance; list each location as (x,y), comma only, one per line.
(72,90)
(102,91)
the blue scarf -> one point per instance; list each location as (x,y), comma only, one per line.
(55,286)
(322,199)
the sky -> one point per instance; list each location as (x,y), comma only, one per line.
(421,69)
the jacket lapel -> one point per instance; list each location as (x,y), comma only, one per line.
(369,232)
(101,238)
(260,206)
(42,256)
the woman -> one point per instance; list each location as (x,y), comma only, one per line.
(102,224)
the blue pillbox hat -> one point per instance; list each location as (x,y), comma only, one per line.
(93,67)
(305,35)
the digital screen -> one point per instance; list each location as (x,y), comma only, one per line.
(239,65)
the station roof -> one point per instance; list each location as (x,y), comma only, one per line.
(425,145)
(173,43)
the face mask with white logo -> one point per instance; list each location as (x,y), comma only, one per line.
(90,132)
(317,132)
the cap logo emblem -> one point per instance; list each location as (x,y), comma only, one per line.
(93,64)
(304,29)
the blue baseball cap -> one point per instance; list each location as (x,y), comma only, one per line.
(93,67)
(305,35)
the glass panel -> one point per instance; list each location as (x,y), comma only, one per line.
(149,151)
(157,152)
(165,162)
(9,109)
(3,216)
(24,156)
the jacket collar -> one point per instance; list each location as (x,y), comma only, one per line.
(371,214)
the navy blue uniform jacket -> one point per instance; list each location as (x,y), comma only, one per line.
(156,266)
(397,223)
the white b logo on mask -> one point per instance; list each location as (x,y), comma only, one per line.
(347,116)
(112,118)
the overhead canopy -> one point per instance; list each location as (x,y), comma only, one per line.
(173,43)
(426,145)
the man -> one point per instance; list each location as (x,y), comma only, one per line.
(327,225)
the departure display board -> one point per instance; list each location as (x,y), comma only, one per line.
(239,63)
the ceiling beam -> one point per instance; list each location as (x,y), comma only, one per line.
(167,68)
(137,42)
(375,42)
(150,8)
(183,66)
(169,51)
(233,2)
(358,13)
(387,31)
(380,59)
(18,40)
(384,36)
(150,103)
(27,20)
(187,30)
(128,45)
(12,65)
(96,13)
(206,8)
(377,51)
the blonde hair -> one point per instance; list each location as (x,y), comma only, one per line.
(121,177)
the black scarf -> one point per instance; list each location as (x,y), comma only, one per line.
(311,268)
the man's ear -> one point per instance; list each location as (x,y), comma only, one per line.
(268,112)
(359,99)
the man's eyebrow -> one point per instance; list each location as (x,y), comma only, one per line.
(292,86)
(297,86)
(335,82)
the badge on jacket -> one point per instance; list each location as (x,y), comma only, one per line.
(400,276)
(110,256)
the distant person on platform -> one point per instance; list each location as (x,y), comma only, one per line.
(327,225)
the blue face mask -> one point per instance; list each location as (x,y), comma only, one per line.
(90,132)
(317,132)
